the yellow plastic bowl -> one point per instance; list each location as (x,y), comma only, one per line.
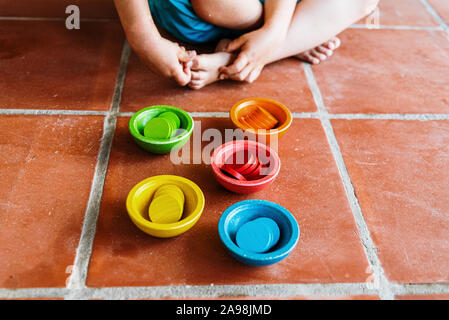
(140,196)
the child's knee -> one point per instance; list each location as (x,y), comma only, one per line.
(233,14)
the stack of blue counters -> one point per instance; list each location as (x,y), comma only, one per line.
(258,236)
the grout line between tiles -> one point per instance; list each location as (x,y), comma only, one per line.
(380,280)
(29,293)
(419,289)
(206,291)
(215,291)
(226,114)
(78,277)
(436,16)
(296,115)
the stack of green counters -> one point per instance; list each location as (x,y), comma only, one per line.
(164,126)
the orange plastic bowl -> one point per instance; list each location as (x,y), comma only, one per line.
(278,110)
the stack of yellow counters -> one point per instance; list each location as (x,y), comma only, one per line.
(163,126)
(167,205)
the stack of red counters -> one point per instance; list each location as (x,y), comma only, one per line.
(242,166)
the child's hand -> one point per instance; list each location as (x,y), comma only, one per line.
(169,60)
(256,48)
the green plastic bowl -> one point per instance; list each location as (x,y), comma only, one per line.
(160,146)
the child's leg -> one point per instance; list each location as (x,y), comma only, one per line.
(316,21)
(313,24)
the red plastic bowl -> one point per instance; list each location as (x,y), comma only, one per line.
(269,156)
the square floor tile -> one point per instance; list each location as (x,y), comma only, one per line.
(400,174)
(284,81)
(46,66)
(47,165)
(387,71)
(329,249)
(441,7)
(402,13)
(56,8)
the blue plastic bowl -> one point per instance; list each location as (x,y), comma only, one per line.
(242,212)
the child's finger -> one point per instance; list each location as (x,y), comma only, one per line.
(238,65)
(253,75)
(187,71)
(180,77)
(235,44)
(185,56)
(242,75)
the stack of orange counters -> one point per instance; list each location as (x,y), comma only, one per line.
(167,205)
(259,118)
(242,165)
(163,126)
(258,236)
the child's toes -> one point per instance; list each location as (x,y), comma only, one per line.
(329,45)
(333,43)
(316,54)
(324,50)
(307,56)
(198,75)
(196,84)
(200,63)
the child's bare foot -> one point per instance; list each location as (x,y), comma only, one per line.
(320,53)
(205,66)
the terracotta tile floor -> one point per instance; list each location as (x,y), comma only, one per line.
(399,173)
(46,164)
(103,9)
(142,88)
(123,257)
(395,71)
(441,8)
(369,187)
(75,69)
(404,13)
